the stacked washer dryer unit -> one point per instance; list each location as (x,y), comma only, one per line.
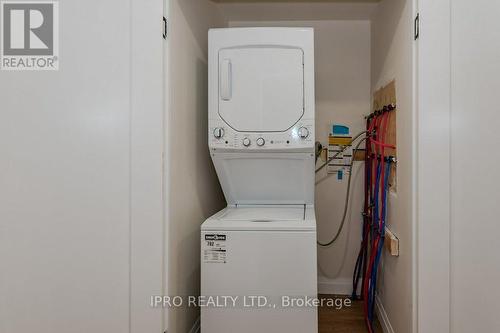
(261,139)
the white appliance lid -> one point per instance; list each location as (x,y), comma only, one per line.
(244,218)
(268,178)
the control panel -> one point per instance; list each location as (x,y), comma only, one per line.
(221,136)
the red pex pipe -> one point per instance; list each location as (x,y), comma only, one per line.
(375,148)
(383,134)
(376,122)
(367,209)
(383,145)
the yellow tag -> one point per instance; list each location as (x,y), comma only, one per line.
(339,140)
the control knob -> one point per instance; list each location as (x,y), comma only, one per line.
(246,142)
(260,142)
(218,132)
(303,132)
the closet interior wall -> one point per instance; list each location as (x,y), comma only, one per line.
(392,58)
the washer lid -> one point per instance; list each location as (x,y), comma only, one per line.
(261,88)
(266,178)
(240,219)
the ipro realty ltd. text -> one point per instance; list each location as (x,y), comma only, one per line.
(249,301)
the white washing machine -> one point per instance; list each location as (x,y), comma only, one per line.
(258,255)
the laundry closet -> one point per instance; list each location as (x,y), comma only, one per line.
(360,47)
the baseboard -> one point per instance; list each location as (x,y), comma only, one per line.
(196,326)
(334,286)
(382,316)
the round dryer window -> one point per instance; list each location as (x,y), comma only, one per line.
(261,89)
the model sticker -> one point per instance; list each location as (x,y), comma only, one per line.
(214,249)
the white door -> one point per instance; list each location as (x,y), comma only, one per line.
(80,177)
(474,176)
(458,180)
(261,89)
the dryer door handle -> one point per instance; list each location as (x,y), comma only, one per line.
(225,80)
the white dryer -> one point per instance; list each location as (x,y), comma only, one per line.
(261,140)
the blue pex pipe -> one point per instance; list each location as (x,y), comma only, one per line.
(380,248)
(372,281)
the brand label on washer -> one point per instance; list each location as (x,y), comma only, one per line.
(215,249)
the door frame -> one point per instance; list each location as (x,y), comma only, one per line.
(433,168)
(166,154)
(147,238)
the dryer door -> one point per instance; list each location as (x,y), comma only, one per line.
(261,88)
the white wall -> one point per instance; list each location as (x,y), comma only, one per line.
(193,189)
(392,54)
(342,83)
(80,181)
(475,181)
(296,10)
(343,97)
